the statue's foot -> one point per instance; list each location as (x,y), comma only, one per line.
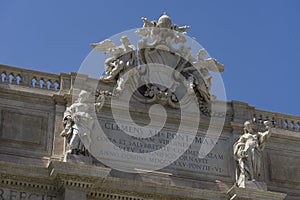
(108,78)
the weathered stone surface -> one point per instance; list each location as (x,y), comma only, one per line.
(21,194)
(30,129)
(255,185)
(215,162)
(284,168)
(236,193)
(74,195)
(31,114)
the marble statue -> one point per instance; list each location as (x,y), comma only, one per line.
(162,44)
(248,151)
(123,59)
(78,123)
(164,22)
(202,81)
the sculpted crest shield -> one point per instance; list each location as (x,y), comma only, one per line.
(163,56)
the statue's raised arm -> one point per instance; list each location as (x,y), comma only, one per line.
(248,153)
(180,28)
(148,23)
(264,136)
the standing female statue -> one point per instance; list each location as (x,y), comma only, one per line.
(247,153)
(78,122)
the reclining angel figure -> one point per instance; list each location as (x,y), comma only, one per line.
(123,59)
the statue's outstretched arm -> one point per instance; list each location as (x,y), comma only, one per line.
(264,136)
(181,28)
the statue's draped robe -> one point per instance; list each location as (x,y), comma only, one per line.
(82,124)
(247,153)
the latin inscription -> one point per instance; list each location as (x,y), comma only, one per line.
(10,194)
(193,157)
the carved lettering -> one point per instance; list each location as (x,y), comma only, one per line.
(32,196)
(8,194)
(23,195)
(216,161)
(13,195)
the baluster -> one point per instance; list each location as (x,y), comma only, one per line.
(52,85)
(260,119)
(19,79)
(267,118)
(3,77)
(34,82)
(11,78)
(293,125)
(273,121)
(42,84)
(254,119)
(49,83)
(56,85)
(287,125)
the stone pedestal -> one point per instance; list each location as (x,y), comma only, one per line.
(78,159)
(254,185)
(75,180)
(236,193)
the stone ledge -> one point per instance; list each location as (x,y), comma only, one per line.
(65,168)
(236,193)
(149,190)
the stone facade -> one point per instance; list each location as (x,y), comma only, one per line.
(32,104)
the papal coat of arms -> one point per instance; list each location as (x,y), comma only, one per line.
(162,55)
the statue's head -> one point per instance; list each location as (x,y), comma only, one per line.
(248,126)
(164,21)
(201,54)
(83,96)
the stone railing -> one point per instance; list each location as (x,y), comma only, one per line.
(279,120)
(29,78)
(44,80)
(63,81)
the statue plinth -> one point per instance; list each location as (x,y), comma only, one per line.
(256,185)
(238,193)
(79,159)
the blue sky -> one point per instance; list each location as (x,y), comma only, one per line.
(257,41)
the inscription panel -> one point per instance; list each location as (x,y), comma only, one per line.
(191,159)
(12,194)
(21,127)
(214,162)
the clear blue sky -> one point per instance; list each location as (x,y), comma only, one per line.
(257,41)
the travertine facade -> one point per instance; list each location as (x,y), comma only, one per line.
(32,151)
